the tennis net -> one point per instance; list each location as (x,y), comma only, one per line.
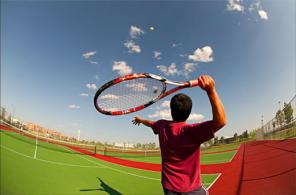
(127,152)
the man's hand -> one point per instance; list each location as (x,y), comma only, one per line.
(137,120)
(207,83)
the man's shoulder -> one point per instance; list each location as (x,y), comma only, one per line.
(162,122)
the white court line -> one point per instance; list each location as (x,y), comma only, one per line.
(48,161)
(214,181)
(125,172)
(233,156)
(36,146)
(101,166)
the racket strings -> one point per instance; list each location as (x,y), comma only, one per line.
(129,94)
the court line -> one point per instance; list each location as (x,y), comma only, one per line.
(102,166)
(136,174)
(233,156)
(214,181)
(121,171)
(85,166)
(48,161)
(36,146)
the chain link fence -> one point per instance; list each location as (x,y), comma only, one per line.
(282,125)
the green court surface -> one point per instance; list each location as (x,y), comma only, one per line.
(59,170)
(222,148)
(204,159)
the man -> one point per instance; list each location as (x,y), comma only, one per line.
(180,142)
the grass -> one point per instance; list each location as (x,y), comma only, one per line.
(59,170)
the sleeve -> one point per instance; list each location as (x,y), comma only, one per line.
(202,132)
(156,126)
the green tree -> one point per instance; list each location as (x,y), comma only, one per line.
(222,139)
(215,140)
(245,134)
(288,113)
(235,137)
(273,124)
(280,117)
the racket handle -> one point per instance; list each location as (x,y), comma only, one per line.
(194,83)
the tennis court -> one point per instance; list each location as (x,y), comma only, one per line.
(205,158)
(46,168)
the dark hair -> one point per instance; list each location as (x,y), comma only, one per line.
(181,105)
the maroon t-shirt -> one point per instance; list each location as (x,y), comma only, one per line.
(180,152)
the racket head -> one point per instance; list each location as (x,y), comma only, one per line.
(129,93)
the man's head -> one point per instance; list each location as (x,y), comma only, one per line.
(181,105)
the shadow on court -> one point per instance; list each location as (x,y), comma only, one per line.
(104,187)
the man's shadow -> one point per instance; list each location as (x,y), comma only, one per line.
(104,187)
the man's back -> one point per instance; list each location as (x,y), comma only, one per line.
(179,143)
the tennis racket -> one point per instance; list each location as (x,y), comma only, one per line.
(135,92)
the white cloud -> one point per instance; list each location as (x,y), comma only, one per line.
(140,87)
(109,96)
(263,14)
(135,31)
(202,55)
(166,114)
(170,70)
(89,54)
(165,104)
(122,68)
(132,47)
(93,62)
(195,117)
(188,68)
(157,55)
(73,106)
(83,94)
(91,86)
(235,5)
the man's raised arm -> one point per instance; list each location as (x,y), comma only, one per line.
(219,117)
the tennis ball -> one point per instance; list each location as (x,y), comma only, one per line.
(151,28)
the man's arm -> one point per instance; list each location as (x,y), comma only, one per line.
(219,117)
(137,121)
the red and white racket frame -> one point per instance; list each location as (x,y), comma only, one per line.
(164,93)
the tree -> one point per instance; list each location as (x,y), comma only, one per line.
(288,113)
(222,139)
(273,124)
(235,137)
(215,140)
(279,117)
(245,134)
(210,142)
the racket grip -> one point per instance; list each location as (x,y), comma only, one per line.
(194,83)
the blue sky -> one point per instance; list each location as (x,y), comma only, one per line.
(54,53)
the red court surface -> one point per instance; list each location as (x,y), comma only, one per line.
(269,167)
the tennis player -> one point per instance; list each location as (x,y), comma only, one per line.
(180,142)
